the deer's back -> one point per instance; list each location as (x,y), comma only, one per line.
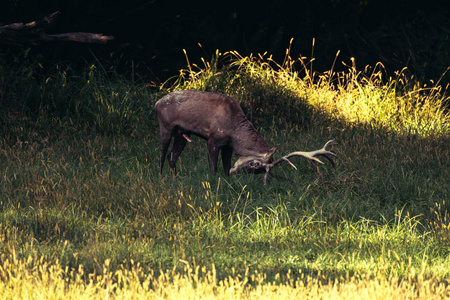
(195,109)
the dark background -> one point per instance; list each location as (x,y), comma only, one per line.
(153,33)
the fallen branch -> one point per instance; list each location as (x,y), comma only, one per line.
(33,32)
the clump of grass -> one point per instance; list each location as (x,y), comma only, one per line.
(398,104)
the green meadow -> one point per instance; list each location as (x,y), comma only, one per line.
(85,213)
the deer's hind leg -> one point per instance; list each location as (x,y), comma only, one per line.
(165,142)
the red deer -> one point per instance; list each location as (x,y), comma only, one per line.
(221,122)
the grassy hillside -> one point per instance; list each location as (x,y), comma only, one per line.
(85,213)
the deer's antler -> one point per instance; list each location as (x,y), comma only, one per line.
(311,155)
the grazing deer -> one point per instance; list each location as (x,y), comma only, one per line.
(221,122)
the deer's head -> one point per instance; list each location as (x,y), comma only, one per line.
(256,163)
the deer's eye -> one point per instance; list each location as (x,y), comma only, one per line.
(254,164)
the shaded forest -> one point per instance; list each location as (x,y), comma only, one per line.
(153,33)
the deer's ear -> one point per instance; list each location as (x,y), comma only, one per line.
(270,153)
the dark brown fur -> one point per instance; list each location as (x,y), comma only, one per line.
(215,117)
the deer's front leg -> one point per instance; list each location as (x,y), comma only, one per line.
(213,156)
(227,152)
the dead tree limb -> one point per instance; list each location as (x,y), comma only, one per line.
(33,33)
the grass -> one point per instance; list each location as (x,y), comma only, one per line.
(86,214)
(200,283)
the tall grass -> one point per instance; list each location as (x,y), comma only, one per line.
(84,211)
(369,97)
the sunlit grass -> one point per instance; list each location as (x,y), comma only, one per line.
(36,279)
(398,104)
